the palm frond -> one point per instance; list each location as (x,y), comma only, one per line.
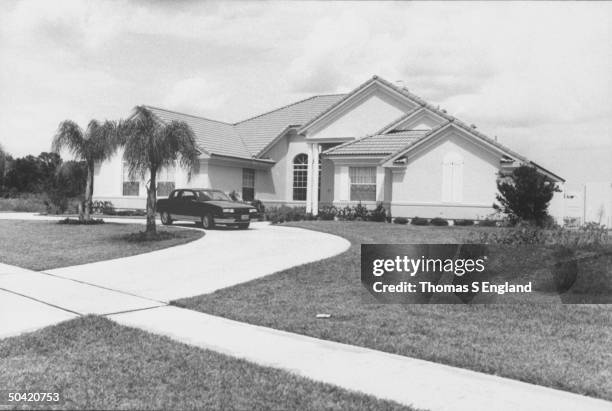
(152,145)
(69,136)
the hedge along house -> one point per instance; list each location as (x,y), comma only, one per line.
(378,143)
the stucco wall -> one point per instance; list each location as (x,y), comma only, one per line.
(417,190)
(366,116)
(108,182)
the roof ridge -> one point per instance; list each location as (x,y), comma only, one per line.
(189,115)
(286,106)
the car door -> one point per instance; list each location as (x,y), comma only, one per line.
(189,204)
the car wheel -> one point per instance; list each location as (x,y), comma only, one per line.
(244,226)
(207,221)
(165,218)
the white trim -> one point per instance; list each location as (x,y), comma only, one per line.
(439,204)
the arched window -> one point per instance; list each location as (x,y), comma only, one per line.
(300,177)
(452,178)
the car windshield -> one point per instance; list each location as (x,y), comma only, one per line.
(207,195)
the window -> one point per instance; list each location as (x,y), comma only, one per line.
(248,184)
(363,183)
(300,177)
(452,178)
(187,195)
(130,187)
(165,181)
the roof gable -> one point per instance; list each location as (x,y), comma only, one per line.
(373,87)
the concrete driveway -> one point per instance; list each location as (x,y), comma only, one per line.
(220,259)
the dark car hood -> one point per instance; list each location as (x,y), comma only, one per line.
(228,204)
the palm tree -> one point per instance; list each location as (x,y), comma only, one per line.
(96,144)
(151,145)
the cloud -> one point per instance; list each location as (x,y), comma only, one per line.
(539,75)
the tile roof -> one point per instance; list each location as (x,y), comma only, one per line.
(247,138)
(378,144)
(211,136)
(257,132)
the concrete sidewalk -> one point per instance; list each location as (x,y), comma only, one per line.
(421,384)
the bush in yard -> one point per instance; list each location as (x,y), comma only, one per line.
(378,214)
(259,205)
(103,207)
(463,223)
(524,195)
(437,221)
(400,220)
(328,213)
(419,221)
(588,236)
(361,212)
(285,213)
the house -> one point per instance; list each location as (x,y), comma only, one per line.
(378,143)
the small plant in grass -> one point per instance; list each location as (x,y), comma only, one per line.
(437,221)
(400,220)
(464,223)
(74,221)
(144,236)
(419,221)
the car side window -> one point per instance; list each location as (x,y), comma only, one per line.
(188,196)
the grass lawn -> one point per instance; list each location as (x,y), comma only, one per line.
(43,245)
(97,364)
(561,346)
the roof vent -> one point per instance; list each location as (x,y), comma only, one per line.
(444,111)
(473,126)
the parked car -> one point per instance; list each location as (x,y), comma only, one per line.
(205,206)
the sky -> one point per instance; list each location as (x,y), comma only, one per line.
(536,75)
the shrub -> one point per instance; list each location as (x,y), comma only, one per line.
(27,203)
(524,195)
(400,220)
(74,221)
(285,213)
(259,205)
(102,207)
(328,213)
(361,212)
(419,221)
(437,221)
(487,223)
(464,222)
(378,214)
(590,235)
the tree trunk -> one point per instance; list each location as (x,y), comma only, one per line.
(151,201)
(88,193)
